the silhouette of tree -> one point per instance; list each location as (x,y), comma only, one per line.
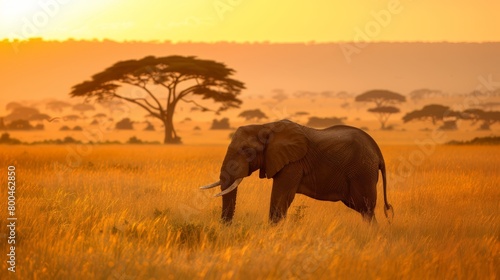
(178,76)
(149,127)
(13,105)
(5,139)
(71,118)
(279,95)
(382,100)
(57,106)
(222,124)
(83,107)
(489,105)
(420,94)
(301,113)
(99,116)
(436,113)
(325,122)
(487,117)
(39,117)
(20,125)
(383,114)
(22,113)
(256,114)
(124,124)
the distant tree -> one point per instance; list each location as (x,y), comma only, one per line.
(20,125)
(13,105)
(22,113)
(327,94)
(222,124)
(325,122)
(64,128)
(436,113)
(383,114)
(57,106)
(99,115)
(179,77)
(5,139)
(113,105)
(83,107)
(256,114)
(77,128)
(2,124)
(124,124)
(149,127)
(279,95)
(488,106)
(39,117)
(384,101)
(421,94)
(305,94)
(487,118)
(301,113)
(71,118)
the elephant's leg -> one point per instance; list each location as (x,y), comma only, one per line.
(285,185)
(363,200)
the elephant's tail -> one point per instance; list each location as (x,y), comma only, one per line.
(387,206)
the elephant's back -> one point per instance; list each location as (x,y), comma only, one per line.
(346,143)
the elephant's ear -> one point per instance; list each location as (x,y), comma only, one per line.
(285,145)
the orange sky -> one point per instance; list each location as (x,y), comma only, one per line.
(252,20)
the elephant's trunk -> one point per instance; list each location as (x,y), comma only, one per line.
(228,206)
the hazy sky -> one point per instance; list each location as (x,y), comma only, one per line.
(253,20)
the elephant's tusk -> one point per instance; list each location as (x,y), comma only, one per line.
(211,186)
(231,188)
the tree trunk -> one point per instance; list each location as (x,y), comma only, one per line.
(168,121)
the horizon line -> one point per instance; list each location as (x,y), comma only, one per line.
(311,42)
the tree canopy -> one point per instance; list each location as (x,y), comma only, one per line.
(325,122)
(256,114)
(57,106)
(26,113)
(384,104)
(433,112)
(487,117)
(177,76)
(380,97)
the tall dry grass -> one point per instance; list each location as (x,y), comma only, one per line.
(135,212)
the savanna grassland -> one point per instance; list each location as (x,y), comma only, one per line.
(135,212)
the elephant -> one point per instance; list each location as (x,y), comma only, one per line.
(339,163)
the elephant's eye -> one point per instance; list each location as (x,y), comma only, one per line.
(248,153)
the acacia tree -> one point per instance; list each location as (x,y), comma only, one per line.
(487,117)
(177,77)
(436,113)
(384,101)
(256,114)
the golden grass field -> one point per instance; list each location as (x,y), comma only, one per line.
(135,212)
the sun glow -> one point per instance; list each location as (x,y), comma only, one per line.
(12,10)
(244,21)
